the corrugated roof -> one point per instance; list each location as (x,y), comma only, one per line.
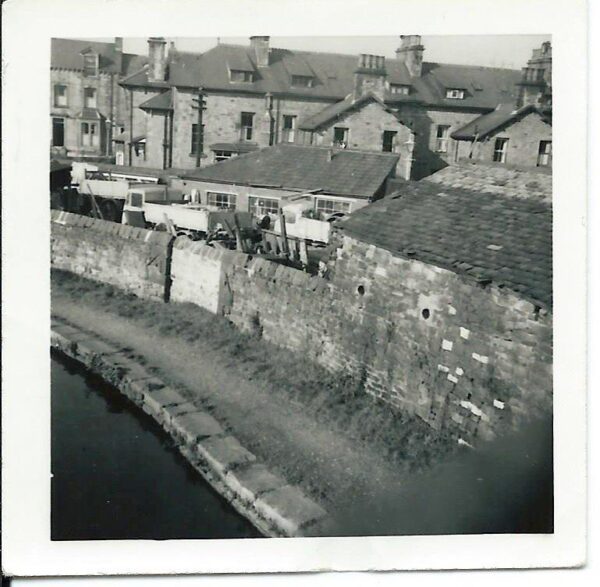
(492,238)
(67,54)
(486,124)
(348,173)
(334,77)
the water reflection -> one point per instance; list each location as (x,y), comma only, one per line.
(116,474)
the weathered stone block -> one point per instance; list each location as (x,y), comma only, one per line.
(289,508)
(224,453)
(194,426)
(253,481)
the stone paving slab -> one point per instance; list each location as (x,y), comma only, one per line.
(224,453)
(195,426)
(253,481)
(289,508)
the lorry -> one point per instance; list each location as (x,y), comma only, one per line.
(110,196)
(185,217)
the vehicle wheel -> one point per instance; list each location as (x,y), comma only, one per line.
(161,227)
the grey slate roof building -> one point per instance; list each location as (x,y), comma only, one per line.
(337,172)
(333,76)
(487,124)
(492,239)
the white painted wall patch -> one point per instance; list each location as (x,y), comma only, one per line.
(498,404)
(481,358)
(447,345)
(459,371)
(464,332)
(451,310)
(452,378)
(443,368)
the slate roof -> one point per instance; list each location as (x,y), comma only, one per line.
(162,101)
(333,73)
(494,239)
(486,124)
(509,181)
(349,173)
(334,110)
(66,54)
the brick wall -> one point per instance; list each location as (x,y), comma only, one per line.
(523,136)
(130,258)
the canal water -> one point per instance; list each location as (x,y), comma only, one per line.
(116,475)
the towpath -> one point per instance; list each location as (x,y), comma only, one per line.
(338,470)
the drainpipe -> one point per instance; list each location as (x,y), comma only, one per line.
(165,141)
(130,127)
(171,117)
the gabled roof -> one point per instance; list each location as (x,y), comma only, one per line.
(338,109)
(162,101)
(346,173)
(486,124)
(67,54)
(485,87)
(492,239)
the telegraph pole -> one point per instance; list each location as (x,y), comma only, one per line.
(200,105)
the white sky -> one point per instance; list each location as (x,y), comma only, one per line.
(510,51)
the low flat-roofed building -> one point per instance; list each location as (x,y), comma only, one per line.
(338,180)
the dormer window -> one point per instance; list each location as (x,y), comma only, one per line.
(400,89)
(455,94)
(239,76)
(302,81)
(90,64)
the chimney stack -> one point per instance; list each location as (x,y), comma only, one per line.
(410,53)
(260,45)
(370,76)
(118,44)
(157,59)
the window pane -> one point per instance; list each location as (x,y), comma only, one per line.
(225,201)
(60,95)
(262,206)
(388,140)
(58,132)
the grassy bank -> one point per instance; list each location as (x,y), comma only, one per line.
(335,400)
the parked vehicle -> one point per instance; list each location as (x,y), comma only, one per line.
(147,209)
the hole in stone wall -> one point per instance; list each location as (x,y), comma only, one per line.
(361,290)
(425,313)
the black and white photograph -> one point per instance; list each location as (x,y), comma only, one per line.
(301,287)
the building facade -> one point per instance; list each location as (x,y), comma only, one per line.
(506,136)
(87,104)
(256,96)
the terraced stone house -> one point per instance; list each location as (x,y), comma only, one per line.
(87,104)
(255,96)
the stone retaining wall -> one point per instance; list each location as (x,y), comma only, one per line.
(133,259)
(477,360)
